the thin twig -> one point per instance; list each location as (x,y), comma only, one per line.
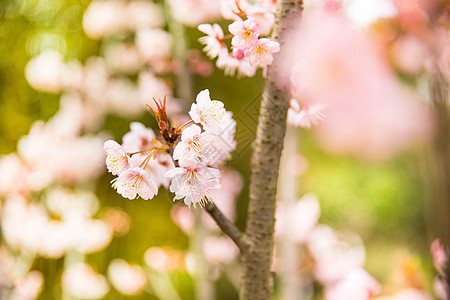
(227,226)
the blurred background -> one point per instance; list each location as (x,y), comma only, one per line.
(372,176)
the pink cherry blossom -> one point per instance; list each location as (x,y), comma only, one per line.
(138,138)
(213,41)
(210,113)
(262,11)
(193,182)
(261,55)
(306,117)
(246,34)
(135,182)
(117,160)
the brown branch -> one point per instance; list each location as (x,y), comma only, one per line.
(256,278)
(227,226)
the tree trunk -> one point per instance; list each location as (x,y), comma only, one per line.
(256,278)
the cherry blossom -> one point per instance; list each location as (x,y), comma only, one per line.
(157,166)
(139,138)
(261,55)
(213,41)
(117,160)
(306,117)
(193,182)
(205,147)
(134,182)
(246,34)
(262,11)
(210,113)
(231,64)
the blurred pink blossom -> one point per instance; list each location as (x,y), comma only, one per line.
(103,18)
(296,221)
(13,175)
(183,218)
(335,256)
(219,250)
(306,117)
(357,284)
(150,86)
(440,255)
(129,279)
(409,54)
(194,12)
(64,202)
(198,65)
(29,287)
(122,97)
(124,58)
(118,220)
(164,260)
(44,72)
(154,44)
(143,14)
(81,281)
(373,115)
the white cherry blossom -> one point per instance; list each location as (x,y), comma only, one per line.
(210,113)
(193,182)
(213,41)
(135,182)
(117,160)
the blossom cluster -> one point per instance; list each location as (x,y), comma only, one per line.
(187,158)
(249,50)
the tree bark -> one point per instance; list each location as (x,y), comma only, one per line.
(256,278)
